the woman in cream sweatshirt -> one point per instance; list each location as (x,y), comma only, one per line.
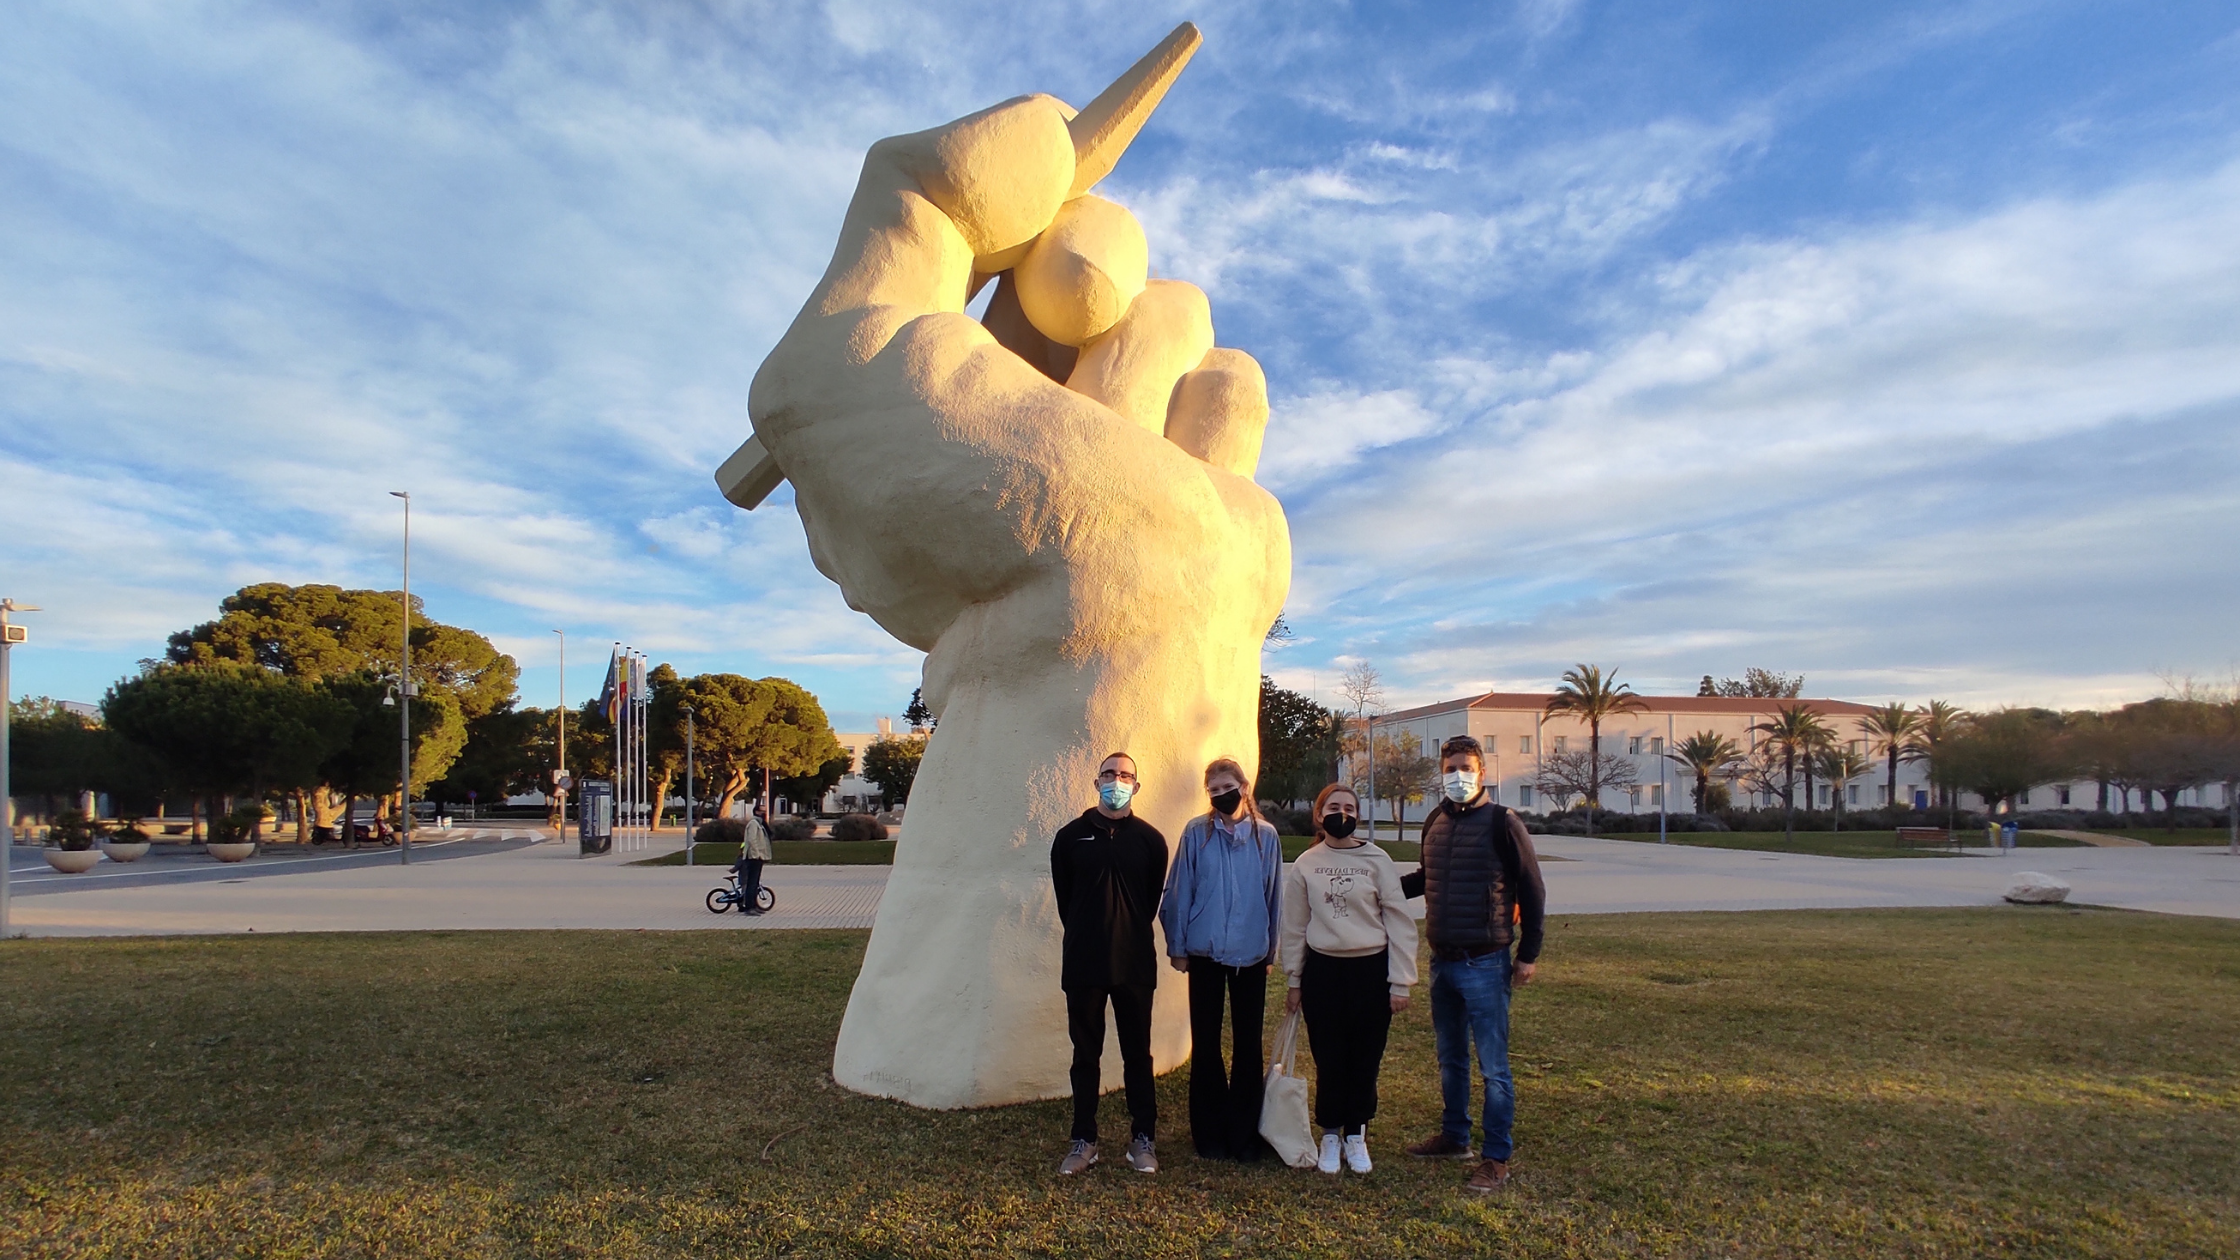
(1349,947)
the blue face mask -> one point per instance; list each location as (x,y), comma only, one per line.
(1460,785)
(1116,794)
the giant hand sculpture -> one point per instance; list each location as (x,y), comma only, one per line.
(1056,505)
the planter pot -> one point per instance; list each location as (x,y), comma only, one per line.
(230,852)
(125,850)
(73,862)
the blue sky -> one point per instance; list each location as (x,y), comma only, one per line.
(1898,345)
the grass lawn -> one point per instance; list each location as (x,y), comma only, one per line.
(2047,1082)
(1851,844)
(789,853)
(1401,850)
(881,852)
(2182,836)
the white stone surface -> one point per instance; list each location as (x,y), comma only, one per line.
(1080,581)
(2037,888)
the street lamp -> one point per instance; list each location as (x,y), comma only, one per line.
(405,692)
(560,773)
(688,797)
(9,637)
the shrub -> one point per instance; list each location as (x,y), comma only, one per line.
(721,831)
(71,831)
(1288,822)
(858,827)
(238,827)
(792,828)
(127,831)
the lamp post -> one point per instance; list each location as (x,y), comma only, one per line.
(560,772)
(688,798)
(405,692)
(1662,790)
(9,637)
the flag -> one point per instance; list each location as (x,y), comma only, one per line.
(610,693)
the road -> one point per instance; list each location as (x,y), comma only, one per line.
(490,881)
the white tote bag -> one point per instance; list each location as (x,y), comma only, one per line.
(1283,1105)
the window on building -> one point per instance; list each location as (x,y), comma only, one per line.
(1852,793)
(1633,796)
(2021,798)
(1822,788)
(1656,746)
(2061,792)
(1633,744)
(1859,746)
(1524,793)
(1524,744)
(1656,795)
(1561,740)
(1881,794)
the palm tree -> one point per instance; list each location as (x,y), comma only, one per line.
(1938,723)
(1704,754)
(1794,731)
(1839,764)
(1590,697)
(1890,732)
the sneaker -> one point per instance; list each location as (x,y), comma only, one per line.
(1492,1175)
(1140,1155)
(1440,1146)
(1327,1162)
(1081,1158)
(1357,1152)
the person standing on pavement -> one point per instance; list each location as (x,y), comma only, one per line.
(754,850)
(1349,948)
(1106,868)
(1482,894)
(1221,919)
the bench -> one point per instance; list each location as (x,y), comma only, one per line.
(1910,836)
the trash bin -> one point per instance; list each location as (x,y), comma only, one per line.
(594,817)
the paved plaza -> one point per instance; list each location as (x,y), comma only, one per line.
(522,879)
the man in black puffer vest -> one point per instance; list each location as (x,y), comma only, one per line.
(1482,893)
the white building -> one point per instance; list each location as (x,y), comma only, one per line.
(854,794)
(1515,731)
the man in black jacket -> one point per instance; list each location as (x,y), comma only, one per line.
(1482,893)
(1107,868)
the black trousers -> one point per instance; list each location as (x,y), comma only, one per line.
(1347,1003)
(750,881)
(1225,1102)
(1131,1015)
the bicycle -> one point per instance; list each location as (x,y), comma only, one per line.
(722,899)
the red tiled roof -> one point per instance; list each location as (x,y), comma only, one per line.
(1534,702)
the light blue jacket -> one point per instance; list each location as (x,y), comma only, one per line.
(1221,898)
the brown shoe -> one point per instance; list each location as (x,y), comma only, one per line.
(1492,1175)
(1440,1146)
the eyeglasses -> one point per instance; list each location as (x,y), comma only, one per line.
(1112,776)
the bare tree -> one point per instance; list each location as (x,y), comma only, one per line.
(1581,772)
(1365,687)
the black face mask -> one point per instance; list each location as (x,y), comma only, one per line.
(1337,826)
(1228,801)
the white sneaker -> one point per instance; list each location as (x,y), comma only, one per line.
(1357,1152)
(1328,1162)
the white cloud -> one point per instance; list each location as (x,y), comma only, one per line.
(1311,438)
(1990,446)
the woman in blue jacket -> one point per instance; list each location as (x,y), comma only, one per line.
(1221,921)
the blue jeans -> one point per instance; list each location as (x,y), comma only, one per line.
(1470,1002)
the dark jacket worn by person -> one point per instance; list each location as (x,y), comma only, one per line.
(1107,873)
(1480,883)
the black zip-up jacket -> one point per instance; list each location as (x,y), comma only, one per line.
(1107,873)
(1480,883)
